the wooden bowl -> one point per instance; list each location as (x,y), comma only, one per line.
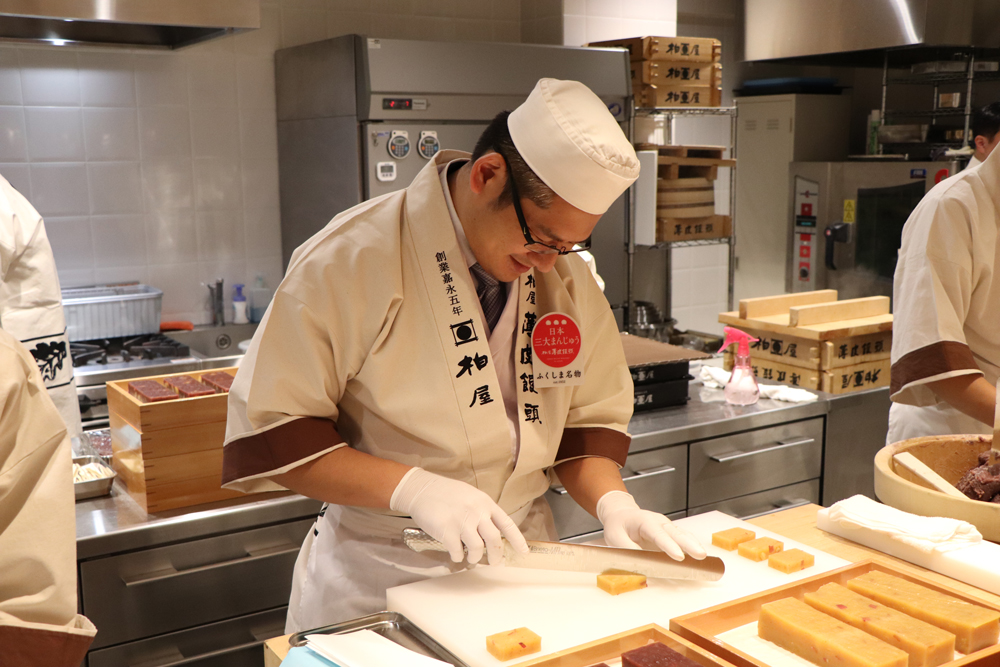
(951,457)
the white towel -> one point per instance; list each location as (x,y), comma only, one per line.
(365,648)
(715,377)
(928,534)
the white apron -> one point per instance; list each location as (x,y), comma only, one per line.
(911,421)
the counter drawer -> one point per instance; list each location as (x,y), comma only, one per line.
(752,461)
(154,591)
(586,538)
(657,478)
(237,642)
(765,502)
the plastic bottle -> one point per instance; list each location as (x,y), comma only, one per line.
(260,298)
(742,387)
(874,121)
(239,305)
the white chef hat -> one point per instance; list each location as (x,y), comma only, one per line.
(573,143)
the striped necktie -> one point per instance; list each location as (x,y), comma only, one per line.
(491,295)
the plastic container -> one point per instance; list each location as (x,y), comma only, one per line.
(239,305)
(111,311)
(260,299)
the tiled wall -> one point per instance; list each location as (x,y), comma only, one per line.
(162,166)
(587,21)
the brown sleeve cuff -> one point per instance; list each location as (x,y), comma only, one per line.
(930,361)
(31,647)
(593,441)
(277,447)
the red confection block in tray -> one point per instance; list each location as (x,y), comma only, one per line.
(221,381)
(149,391)
(656,655)
(188,387)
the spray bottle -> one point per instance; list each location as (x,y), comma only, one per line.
(742,387)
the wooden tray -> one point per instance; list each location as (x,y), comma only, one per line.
(171,414)
(703,627)
(612,647)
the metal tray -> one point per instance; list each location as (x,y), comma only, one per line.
(111,311)
(391,625)
(94,487)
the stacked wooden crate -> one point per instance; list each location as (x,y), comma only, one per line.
(673,71)
(812,340)
(169,453)
(685,193)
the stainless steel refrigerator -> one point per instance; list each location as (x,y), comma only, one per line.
(846,220)
(359,117)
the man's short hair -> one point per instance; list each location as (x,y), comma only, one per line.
(986,121)
(496,138)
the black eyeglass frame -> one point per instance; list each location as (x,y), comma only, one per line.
(524,224)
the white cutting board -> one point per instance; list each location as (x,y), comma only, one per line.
(567,609)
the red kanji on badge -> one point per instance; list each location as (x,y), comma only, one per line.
(556,340)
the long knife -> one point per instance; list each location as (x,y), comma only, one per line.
(582,558)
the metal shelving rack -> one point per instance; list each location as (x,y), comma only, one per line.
(672,114)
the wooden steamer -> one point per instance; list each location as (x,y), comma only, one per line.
(950,457)
(169,453)
(812,340)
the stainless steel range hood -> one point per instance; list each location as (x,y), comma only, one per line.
(166,24)
(858,32)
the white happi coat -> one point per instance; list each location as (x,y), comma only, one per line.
(30,300)
(369,337)
(38,620)
(946,298)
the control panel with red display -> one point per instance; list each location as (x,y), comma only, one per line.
(399,103)
(804,214)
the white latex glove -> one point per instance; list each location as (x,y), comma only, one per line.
(456,513)
(629,527)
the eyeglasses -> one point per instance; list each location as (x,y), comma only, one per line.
(531,244)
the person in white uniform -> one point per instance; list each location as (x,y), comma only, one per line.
(985,129)
(394,374)
(31,301)
(946,291)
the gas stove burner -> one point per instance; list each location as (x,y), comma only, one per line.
(85,353)
(124,350)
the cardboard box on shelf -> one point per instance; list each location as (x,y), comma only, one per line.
(685,49)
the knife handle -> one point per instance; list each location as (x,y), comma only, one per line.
(418,540)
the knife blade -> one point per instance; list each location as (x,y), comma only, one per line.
(584,558)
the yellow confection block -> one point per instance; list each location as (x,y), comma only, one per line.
(732,538)
(926,644)
(760,548)
(795,626)
(974,627)
(792,560)
(513,644)
(620,581)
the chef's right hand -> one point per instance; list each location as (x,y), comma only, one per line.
(456,514)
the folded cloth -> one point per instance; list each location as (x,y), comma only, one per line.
(365,648)
(715,377)
(929,534)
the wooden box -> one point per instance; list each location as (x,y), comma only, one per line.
(704,627)
(647,96)
(169,453)
(683,49)
(611,648)
(692,229)
(676,73)
(868,375)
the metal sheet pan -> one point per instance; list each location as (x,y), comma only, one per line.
(94,487)
(391,625)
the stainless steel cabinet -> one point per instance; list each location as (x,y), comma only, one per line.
(744,463)
(765,502)
(189,585)
(233,643)
(657,478)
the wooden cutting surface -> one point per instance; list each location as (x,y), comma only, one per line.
(798,524)
(825,331)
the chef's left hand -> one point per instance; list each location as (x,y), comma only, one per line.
(627,526)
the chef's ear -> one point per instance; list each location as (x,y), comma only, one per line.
(488,175)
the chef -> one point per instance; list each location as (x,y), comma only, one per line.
(38,602)
(394,376)
(985,127)
(946,291)
(31,302)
